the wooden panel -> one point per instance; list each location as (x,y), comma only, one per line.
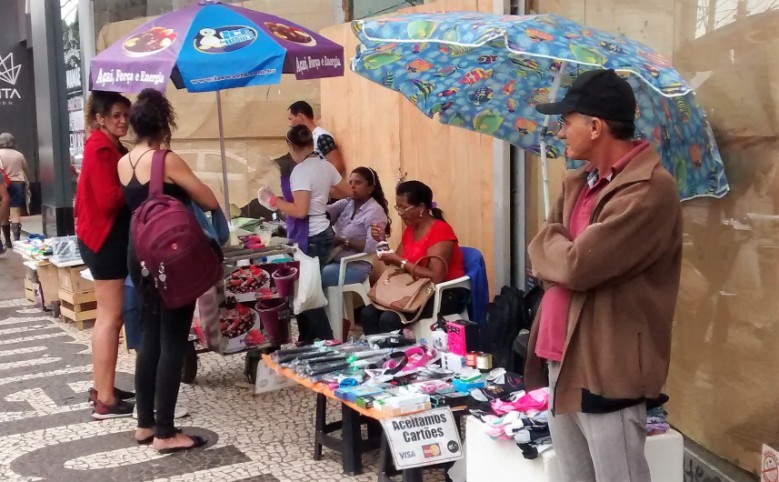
(380,128)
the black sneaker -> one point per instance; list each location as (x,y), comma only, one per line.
(118,394)
(118,410)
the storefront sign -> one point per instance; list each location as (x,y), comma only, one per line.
(426,438)
(74,91)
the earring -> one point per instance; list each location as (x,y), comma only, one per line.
(421,213)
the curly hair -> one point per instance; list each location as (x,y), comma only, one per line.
(101,102)
(372,178)
(152,117)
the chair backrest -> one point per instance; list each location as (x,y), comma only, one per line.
(476,269)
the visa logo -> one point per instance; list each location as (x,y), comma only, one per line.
(407,455)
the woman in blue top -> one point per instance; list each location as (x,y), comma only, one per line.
(352,219)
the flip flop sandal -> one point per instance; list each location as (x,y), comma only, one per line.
(148,440)
(418,357)
(197,440)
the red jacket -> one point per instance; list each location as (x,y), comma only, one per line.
(99,193)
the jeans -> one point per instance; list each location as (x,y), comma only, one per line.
(313,324)
(164,339)
(375,320)
(356,272)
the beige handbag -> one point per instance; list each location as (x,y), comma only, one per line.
(402,292)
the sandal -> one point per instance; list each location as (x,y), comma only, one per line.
(148,440)
(197,441)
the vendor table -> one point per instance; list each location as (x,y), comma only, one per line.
(351,445)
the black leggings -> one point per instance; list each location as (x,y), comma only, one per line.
(164,339)
(375,321)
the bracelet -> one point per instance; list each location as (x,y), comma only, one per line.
(347,244)
(403,264)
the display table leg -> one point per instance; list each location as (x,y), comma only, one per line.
(319,417)
(412,475)
(352,441)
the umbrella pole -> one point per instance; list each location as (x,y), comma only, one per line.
(544,168)
(224,156)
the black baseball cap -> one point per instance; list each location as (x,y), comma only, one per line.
(597,93)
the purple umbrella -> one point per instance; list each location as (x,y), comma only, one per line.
(213,46)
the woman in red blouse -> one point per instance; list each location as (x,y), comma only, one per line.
(426,234)
(103,230)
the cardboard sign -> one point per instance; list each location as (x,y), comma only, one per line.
(769,469)
(268,380)
(425,438)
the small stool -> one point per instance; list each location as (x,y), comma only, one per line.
(351,444)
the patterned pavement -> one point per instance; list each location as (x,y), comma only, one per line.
(47,434)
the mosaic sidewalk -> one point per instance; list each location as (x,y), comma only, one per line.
(47,434)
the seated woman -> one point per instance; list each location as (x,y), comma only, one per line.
(352,219)
(426,234)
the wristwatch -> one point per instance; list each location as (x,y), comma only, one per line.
(403,264)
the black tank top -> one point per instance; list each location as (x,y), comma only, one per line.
(136,193)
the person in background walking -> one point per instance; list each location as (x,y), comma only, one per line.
(610,258)
(164,332)
(302,114)
(5,208)
(15,166)
(103,230)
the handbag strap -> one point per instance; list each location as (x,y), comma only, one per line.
(416,265)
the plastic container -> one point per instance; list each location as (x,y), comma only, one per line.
(284,279)
(275,320)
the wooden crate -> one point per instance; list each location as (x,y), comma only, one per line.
(79,308)
(70,280)
(29,290)
(49,280)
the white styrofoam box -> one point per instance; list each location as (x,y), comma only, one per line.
(489,460)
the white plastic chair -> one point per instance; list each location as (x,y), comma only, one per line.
(421,327)
(340,302)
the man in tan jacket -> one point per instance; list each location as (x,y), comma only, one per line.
(610,260)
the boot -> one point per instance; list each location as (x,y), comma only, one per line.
(17,231)
(7,236)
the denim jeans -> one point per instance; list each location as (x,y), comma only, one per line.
(164,338)
(356,272)
(313,324)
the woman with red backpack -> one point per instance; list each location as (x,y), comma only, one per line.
(165,331)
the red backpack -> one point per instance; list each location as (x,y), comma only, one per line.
(171,246)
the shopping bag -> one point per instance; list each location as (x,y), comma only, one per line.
(308,294)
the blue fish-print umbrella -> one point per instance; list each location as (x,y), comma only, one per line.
(486,73)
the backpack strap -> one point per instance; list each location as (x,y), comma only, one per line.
(157,173)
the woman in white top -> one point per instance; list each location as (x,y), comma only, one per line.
(15,166)
(311,182)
